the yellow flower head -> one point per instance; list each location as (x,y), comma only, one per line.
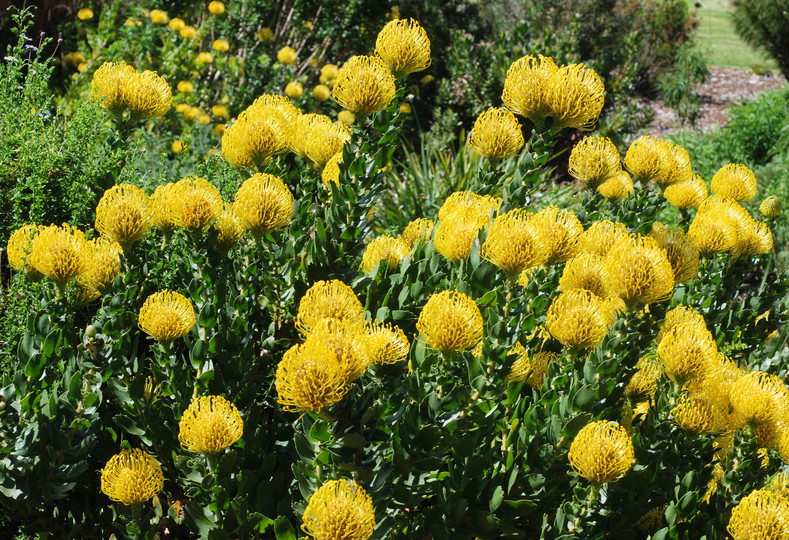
(602,452)
(461,217)
(166,315)
(309,378)
(601,236)
(734,181)
(579,319)
(713,232)
(697,416)
(679,169)
(561,229)
(205,57)
(60,253)
(759,397)
(762,514)
(339,510)
(418,231)
(229,228)
(450,321)
(321,92)
(384,248)
(329,72)
(594,161)
(123,214)
(688,352)
(159,17)
(209,425)
(346,118)
(131,477)
(322,138)
(263,203)
(347,340)
(199,203)
(286,55)
(637,270)
(586,271)
(103,266)
(110,85)
(770,207)
(147,96)
(687,194)
(85,14)
(259,133)
(185,87)
(618,187)
(515,242)
(643,383)
(754,239)
(681,253)
(387,344)
(404,47)
(364,85)
(176,24)
(216,7)
(294,89)
(575,98)
(650,158)
(331,171)
(496,134)
(220,45)
(526,88)
(163,206)
(680,315)
(328,300)
(20,243)
(188,32)
(531,370)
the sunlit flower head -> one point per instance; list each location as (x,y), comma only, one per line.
(602,452)
(294,89)
(104,265)
(386,343)
(417,230)
(650,158)
(761,515)
(516,242)
(339,510)
(697,416)
(643,383)
(323,138)
(263,203)
(185,87)
(123,214)
(688,352)
(770,207)
(220,45)
(321,92)
(734,181)
(209,425)
(579,319)
(229,228)
(110,85)
(364,85)
(158,16)
(586,271)
(530,369)
(450,321)
(679,168)
(755,239)
(496,134)
(759,397)
(594,160)
(328,300)
(719,225)
(461,217)
(347,340)
(131,477)
(527,87)
(576,97)
(561,229)
(166,315)
(680,315)
(20,243)
(199,203)
(176,23)
(681,253)
(147,96)
(60,253)
(331,171)
(216,8)
(384,248)
(687,194)
(163,205)
(638,271)
(85,14)
(618,187)
(601,236)
(188,32)
(286,55)
(260,132)
(309,377)
(404,47)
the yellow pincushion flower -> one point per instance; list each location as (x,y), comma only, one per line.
(759,397)
(328,300)
(713,232)
(188,32)
(575,98)
(158,16)
(387,344)
(680,315)
(755,239)
(220,45)
(637,270)
(762,515)
(450,321)
(579,319)
(309,378)
(323,139)
(331,171)
(586,271)
(687,194)
(515,242)
(697,416)
(286,55)
(561,229)
(147,96)
(526,88)
(205,57)
(734,181)
(594,160)
(601,236)
(688,352)
(60,253)
(263,203)
(364,85)
(185,87)
(176,23)
(166,315)
(404,47)
(384,248)
(496,134)
(339,510)
(199,203)
(679,169)
(602,452)
(110,85)
(681,253)
(20,243)
(461,217)
(209,425)
(770,207)
(229,228)
(131,477)
(85,14)
(104,265)
(163,206)
(216,7)
(321,92)
(294,89)
(643,383)
(123,214)
(531,370)
(618,187)
(259,133)
(418,230)
(347,340)
(650,158)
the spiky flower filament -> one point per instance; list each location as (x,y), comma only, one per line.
(638,271)
(364,85)
(209,425)
(263,203)
(339,510)
(309,377)
(734,181)
(594,160)
(515,242)
(123,214)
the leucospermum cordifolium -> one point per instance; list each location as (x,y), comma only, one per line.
(540,353)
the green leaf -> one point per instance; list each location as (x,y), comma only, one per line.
(497,498)
(283,529)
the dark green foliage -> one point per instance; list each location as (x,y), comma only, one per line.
(764,24)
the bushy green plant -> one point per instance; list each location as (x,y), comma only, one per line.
(763,24)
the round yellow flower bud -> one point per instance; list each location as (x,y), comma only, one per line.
(85,14)
(286,55)
(220,111)
(346,117)
(221,45)
(205,57)
(176,24)
(159,17)
(185,87)
(770,207)
(178,146)
(216,7)
(204,118)
(265,35)
(82,66)
(294,89)
(321,93)
(188,32)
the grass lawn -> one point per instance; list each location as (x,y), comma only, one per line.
(723,47)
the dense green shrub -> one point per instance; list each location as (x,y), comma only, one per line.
(763,24)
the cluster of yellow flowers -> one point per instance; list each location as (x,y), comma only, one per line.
(339,346)
(121,88)
(339,509)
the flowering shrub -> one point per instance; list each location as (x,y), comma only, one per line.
(236,354)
